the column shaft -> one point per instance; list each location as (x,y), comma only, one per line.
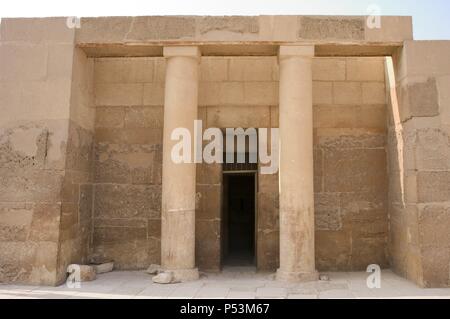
(296,165)
(178,179)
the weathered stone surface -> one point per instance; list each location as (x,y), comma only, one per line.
(127,201)
(423,98)
(344,28)
(87,272)
(159,27)
(434,225)
(165,277)
(433,186)
(347,170)
(236,24)
(327,211)
(128,163)
(103,268)
(207,244)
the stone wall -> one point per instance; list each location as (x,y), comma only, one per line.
(129,96)
(45,140)
(419,165)
(350,158)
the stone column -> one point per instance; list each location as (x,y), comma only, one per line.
(178,180)
(296,165)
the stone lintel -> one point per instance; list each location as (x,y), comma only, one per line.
(181,51)
(289,51)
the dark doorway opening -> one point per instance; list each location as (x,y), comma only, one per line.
(239,219)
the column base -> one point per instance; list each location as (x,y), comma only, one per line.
(182,275)
(296,276)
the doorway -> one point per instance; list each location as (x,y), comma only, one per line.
(239,219)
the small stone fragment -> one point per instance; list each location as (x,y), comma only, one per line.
(163,278)
(324,277)
(153,269)
(103,268)
(82,272)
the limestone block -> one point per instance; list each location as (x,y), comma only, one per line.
(110,117)
(208,93)
(137,164)
(283,28)
(444,99)
(318,170)
(165,277)
(268,211)
(128,247)
(423,98)
(345,138)
(209,174)
(435,265)
(426,58)
(347,93)
(139,135)
(124,70)
(127,201)
(160,27)
(207,244)
(434,223)
(31,185)
(333,249)
(327,211)
(160,70)
(268,250)
(365,69)
(151,117)
(213,69)
(261,93)
(432,149)
(20,62)
(328,69)
(15,221)
(238,116)
(226,25)
(60,61)
(45,223)
(433,186)
(367,251)
(395,29)
(118,94)
(322,93)
(103,268)
(373,116)
(231,93)
(373,93)
(87,273)
(327,28)
(153,94)
(79,153)
(350,170)
(253,69)
(36,30)
(209,206)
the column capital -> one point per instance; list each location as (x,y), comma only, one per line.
(290,51)
(181,51)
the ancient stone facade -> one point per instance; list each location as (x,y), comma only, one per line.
(84,115)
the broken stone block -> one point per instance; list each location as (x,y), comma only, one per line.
(103,267)
(163,278)
(82,272)
(153,269)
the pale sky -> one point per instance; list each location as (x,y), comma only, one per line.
(430,17)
